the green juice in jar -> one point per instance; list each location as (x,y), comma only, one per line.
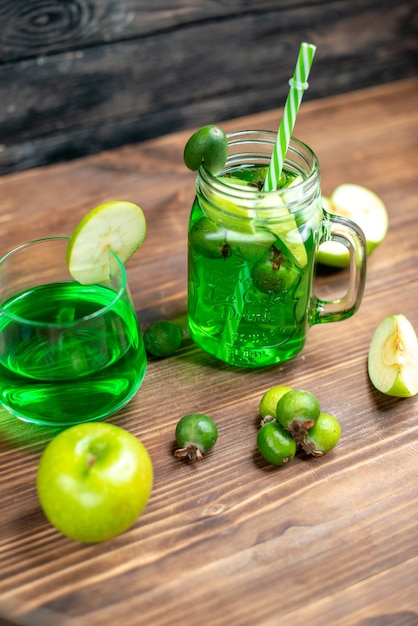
(250,270)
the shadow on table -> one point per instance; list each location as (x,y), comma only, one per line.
(19,434)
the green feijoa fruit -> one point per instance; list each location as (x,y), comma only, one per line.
(162,338)
(323,436)
(275,445)
(268,403)
(209,239)
(297,412)
(271,273)
(209,146)
(195,434)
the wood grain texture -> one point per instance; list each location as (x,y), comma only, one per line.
(83,75)
(231,540)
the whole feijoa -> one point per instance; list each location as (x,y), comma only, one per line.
(275,444)
(323,436)
(268,403)
(297,412)
(195,434)
(209,239)
(162,338)
(272,273)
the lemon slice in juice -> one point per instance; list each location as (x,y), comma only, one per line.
(118,226)
(362,206)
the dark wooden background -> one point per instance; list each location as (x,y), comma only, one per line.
(78,76)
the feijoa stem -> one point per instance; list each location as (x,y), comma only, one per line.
(191,451)
(299,429)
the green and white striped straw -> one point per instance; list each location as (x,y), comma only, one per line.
(298,85)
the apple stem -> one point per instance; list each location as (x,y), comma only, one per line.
(91,460)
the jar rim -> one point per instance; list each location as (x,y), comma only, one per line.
(300,158)
(251,138)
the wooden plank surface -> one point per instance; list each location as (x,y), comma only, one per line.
(231,540)
(80,76)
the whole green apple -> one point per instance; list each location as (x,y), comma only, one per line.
(93,481)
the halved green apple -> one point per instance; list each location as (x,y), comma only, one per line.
(362,206)
(393,357)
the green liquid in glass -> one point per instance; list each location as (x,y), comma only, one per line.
(61,371)
(229,315)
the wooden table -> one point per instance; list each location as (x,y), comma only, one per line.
(231,540)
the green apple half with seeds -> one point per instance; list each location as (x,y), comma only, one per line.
(393,357)
(93,481)
(362,206)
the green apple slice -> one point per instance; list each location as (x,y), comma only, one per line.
(286,228)
(118,226)
(287,231)
(362,206)
(281,222)
(393,357)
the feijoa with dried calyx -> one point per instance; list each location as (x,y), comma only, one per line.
(195,434)
(275,444)
(209,239)
(297,412)
(271,273)
(323,436)
(162,338)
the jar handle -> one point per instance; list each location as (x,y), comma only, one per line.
(342,230)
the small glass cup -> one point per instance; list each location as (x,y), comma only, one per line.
(252,255)
(69,353)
